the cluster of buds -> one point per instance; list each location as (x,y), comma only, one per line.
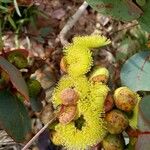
(69,99)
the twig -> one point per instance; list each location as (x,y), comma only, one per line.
(37,135)
(71,22)
(126,27)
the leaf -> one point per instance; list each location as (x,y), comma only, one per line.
(15,77)
(6,1)
(17,8)
(12,22)
(135,73)
(144,19)
(3,8)
(124,10)
(143,142)
(14,117)
(145,113)
(143,124)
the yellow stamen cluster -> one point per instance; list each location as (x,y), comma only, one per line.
(78,54)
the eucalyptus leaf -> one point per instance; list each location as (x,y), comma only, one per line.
(125,10)
(14,116)
(15,77)
(135,73)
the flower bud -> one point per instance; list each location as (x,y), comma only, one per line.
(113,142)
(117,121)
(100,74)
(125,99)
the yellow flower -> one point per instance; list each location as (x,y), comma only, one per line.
(78,55)
(93,129)
(92,132)
(79,60)
(92,41)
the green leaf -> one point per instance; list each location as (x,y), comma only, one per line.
(14,117)
(6,1)
(2,8)
(17,8)
(144,19)
(135,73)
(144,122)
(15,77)
(124,10)
(144,125)
(12,22)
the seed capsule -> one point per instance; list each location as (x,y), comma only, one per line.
(69,96)
(125,99)
(67,114)
(117,121)
(113,142)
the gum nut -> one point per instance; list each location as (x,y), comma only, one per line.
(109,103)
(69,96)
(117,121)
(100,74)
(67,114)
(125,99)
(113,142)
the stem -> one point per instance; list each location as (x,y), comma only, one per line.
(71,22)
(37,135)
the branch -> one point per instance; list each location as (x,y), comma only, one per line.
(71,22)
(37,135)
